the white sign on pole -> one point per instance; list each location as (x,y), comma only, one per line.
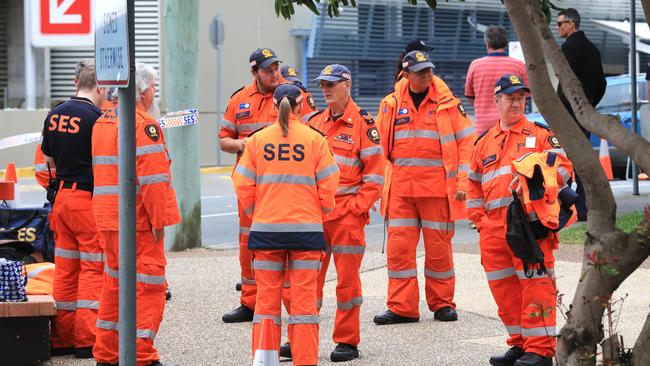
(62,23)
(111,44)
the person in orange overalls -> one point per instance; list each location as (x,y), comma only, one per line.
(532,338)
(66,147)
(291,75)
(287,162)
(250,109)
(354,141)
(427,137)
(156,208)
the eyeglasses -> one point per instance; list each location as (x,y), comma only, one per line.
(559,23)
(329,84)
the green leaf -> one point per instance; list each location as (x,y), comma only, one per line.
(311,6)
(610,270)
(433,4)
(278,3)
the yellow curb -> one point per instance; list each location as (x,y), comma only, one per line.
(217,169)
(27,172)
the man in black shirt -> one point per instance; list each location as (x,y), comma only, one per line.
(78,275)
(584,59)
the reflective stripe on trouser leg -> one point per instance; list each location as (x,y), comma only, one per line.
(348,245)
(538,318)
(66,277)
(497,261)
(437,231)
(304,321)
(403,237)
(268,267)
(150,290)
(327,255)
(248,286)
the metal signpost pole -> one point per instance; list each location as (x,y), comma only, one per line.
(633,86)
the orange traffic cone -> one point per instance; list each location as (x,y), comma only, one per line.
(267,351)
(605,161)
(10,173)
(11,183)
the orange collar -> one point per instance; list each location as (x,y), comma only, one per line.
(349,114)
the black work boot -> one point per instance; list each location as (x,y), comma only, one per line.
(107,364)
(285,350)
(238,286)
(533,359)
(508,358)
(168,294)
(446,314)
(61,351)
(388,317)
(157,363)
(344,352)
(239,315)
(84,352)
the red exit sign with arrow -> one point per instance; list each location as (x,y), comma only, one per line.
(61,23)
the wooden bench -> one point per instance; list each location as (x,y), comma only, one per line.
(25,331)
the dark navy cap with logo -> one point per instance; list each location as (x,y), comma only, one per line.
(417,45)
(334,72)
(263,58)
(415,61)
(508,84)
(290,73)
(287,90)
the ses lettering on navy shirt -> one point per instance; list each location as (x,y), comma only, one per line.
(67,135)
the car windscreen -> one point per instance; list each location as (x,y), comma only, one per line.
(618,97)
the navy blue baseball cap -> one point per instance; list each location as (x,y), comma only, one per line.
(290,73)
(263,58)
(508,84)
(289,91)
(415,61)
(334,72)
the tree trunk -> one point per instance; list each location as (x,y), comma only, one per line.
(579,337)
(641,353)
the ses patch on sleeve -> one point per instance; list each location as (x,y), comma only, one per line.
(367,117)
(555,143)
(311,103)
(152,131)
(461,109)
(373,135)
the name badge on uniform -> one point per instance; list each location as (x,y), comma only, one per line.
(530,142)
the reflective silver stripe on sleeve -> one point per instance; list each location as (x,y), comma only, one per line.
(347,305)
(249,210)
(108,325)
(111,272)
(66,305)
(39,168)
(477,177)
(246,281)
(348,249)
(88,304)
(559,151)
(347,190)
(475,203)
(433,225)
(439,275)
(550,273)
(564,174)
(145,333)
(149,149)
(500,274)
(447,138)
(465,132)
(228,125)
(504,170)
(251,127)
(407,273)
(286,178)
(343,160)
(498,203)
(257,319)
(452,174)
(423,134)
(319,303)
(327,171)
(106,190)
(268,265)
(370,151)
(303,319)
(372,178)
(304,264)
(538,332)
(91,257)
(150,279)
(246,172)
(244,230)
(403,222)
(154,178)
(417,162)
(36,271)
(513,329)
(463,168)
(278,228)
(66,253)
(105,160)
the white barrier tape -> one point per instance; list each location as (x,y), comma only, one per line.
(18,140)
(181,118)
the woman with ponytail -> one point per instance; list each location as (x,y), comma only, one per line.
(286,181)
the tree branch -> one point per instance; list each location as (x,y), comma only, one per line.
(646,10)
(641,351)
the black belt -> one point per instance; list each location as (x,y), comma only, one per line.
(88,187)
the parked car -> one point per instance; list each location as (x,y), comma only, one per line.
(617,101)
